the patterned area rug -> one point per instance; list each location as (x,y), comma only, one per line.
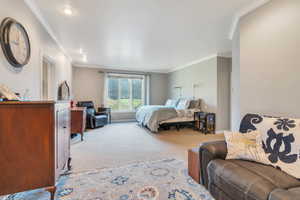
(169,177)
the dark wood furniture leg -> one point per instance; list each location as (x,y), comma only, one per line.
(178,127)
(52,191)
(194,164)
(69,164)
(78,120)
(109,114)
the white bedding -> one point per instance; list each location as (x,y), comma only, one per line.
(151,115)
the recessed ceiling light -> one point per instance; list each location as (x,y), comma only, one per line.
(68,10)
(84,58)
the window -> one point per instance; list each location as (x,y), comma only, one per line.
(125,92)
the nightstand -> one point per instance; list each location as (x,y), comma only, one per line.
(205,122)
(78,120)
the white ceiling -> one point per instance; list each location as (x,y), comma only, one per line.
(146,35)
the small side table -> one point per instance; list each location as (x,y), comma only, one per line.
(105,111)
(194,164)
(78,120)
(205,122)
(200,121)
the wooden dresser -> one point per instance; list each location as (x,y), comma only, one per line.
(34,145)
(78,120)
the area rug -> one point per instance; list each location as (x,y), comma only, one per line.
(169,177)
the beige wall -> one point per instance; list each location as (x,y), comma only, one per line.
(88,85)
(213,86)
(203,74)
(223,88)
(41,44)
(158,89)
(269,62)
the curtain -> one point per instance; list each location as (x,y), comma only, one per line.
(147,89)
(105,89)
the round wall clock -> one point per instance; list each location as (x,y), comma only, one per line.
(15,42)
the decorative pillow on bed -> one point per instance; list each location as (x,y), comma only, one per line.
(183,104)
(195,104)
(245,146)
(171,103)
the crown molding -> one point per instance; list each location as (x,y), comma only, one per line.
(244,11)
(95,66)
(225,55)
(37,12)
(193,62)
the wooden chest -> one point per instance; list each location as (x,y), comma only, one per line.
(34,145)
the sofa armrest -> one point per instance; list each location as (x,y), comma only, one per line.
(282,194)
(209,151)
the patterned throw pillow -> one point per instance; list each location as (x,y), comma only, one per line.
(280,139)
(245,146)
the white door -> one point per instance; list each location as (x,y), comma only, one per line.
(47,80)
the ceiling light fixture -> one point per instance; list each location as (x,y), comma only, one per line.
(68,10)
(84,58)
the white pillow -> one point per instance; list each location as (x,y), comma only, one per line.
(245,146)
(169,102)
(183,104)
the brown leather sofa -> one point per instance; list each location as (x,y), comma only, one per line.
(243,180)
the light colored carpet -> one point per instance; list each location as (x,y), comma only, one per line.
(125,143)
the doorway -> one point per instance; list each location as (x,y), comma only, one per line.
(48,79)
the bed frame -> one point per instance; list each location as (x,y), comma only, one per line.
(177,125)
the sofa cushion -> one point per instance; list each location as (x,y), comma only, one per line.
(247,180)
(282,194)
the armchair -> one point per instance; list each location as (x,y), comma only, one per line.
(94,119)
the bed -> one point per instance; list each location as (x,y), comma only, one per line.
(173,113)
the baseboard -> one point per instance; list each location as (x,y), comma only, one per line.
(123,120)
(221,131)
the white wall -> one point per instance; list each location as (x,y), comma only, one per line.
(213,86)
(269,62)
(41,44)
(235,83)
